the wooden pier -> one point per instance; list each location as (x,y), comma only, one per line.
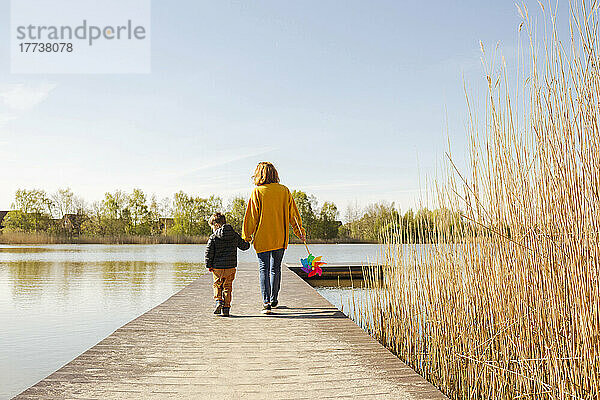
(340,271)
(179,350)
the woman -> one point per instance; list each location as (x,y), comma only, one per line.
(271,210)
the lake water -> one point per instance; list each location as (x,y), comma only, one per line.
(57,301)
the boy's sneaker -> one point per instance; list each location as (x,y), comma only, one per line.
(266,309)
(274,304)
(219,307)
(225,311)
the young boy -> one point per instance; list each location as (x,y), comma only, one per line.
(221,260)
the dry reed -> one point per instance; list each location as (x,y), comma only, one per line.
(19,238)
(510,306)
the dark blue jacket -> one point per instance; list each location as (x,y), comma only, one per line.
(221,249)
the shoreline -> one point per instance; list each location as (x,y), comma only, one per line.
(15,238)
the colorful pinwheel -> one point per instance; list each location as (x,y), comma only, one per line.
(311,264)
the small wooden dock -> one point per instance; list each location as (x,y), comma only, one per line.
(341,271)
(180,350)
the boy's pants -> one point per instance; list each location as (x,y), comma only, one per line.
(223,284)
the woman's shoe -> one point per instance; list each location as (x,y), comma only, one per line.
(274,304)
(266,309)
(218,307)
(225,311)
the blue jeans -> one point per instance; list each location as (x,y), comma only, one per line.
(269,266)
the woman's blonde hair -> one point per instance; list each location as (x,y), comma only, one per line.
(265,173)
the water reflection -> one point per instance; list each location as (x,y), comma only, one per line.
(30,250)
(135,273)
(55,304)
(30,278)
(27,278)
(342,293)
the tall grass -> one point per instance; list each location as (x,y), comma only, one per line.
(510,307)
(45,238)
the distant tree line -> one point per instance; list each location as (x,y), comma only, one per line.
(121,213)
(377,220)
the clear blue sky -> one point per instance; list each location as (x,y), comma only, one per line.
(348,98)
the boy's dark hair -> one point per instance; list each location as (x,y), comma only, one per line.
(217,219)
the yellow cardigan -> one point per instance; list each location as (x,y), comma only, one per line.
(270,211)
